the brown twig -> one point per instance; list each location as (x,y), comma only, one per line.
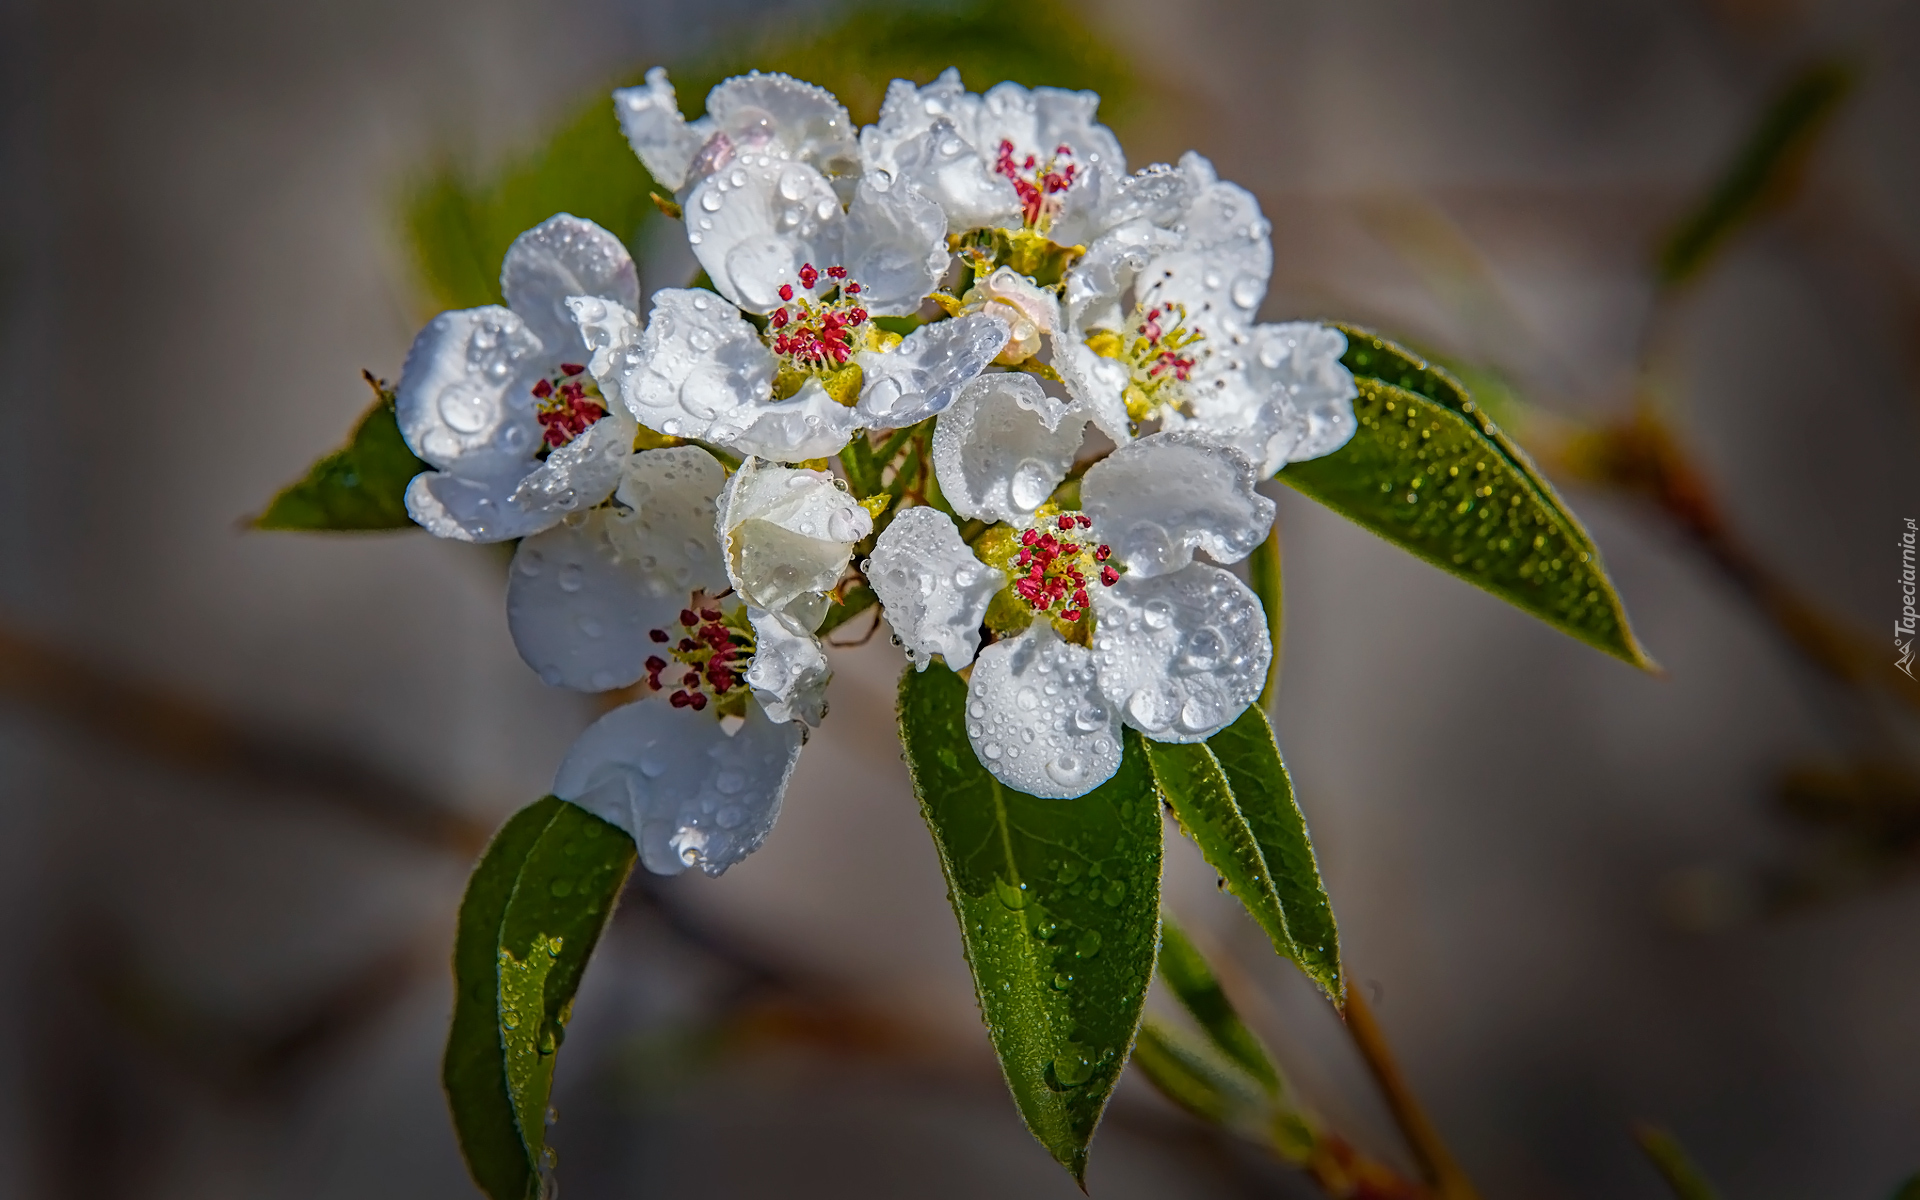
(1437,1163)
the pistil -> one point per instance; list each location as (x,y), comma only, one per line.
(1160,357)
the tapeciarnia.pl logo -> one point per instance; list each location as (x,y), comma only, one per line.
(1903,628)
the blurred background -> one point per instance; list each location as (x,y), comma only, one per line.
(244,774)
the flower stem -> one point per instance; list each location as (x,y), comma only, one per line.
(1437,1163)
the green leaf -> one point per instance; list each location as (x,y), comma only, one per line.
(1664,1151)
(1247,752)
(533,910)
(1267,577)
(362,485)
(1193,983)
(1188,1076)
(1192,783)
(1760,171)
(1058,903)
(1430,472)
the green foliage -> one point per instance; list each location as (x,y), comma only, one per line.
(1191,1078)
(1263,790)
(533,910)
(361,486)
(1267,577)
(1058,903)
(1192,981)
(1663,1150)
(460,224)
(1430,472)
(1760,171)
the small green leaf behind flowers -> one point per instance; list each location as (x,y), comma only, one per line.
(1429,471)
(533,910)
(361,486)
(1058,903)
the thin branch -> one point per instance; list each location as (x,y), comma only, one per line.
(1437,1162)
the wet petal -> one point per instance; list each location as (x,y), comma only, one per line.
(942,166)
(1003,447)
(762,113)
(1037,719)
(908,112)
(580,611)
(895,246)
(465,392)
(789,670)
(690,792)
(697,364)
(921,376)
(1310,405)
(660,136)
(808,424)
(560,257)
(606,327)
(934,590)
(1180,656)
(786,532)
(1165,496)
(669,499)
(754,223)
(1220,271)
(581,473)
(474,508)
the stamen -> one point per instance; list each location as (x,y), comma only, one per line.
(566,405)
(715,654)
(1036,182)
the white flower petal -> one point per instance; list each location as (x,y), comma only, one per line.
(1159,499)
(581,473)
(895,246)
(1298,365)
(660,136)
(1038,120)
(560,257)
(1030,311)
(921,376)
(579,610)
(670,497)
(1220,272)
(606,327)
(1037,719)
(808,424)
(909,111)
(1181,656)
(754,223)
(941,165)
(1004,446)
(935,592)
(789,670)
(689,792)
(698,363)
(780,114)
(786,532)
(465,392)
(1097,384)
(474,507)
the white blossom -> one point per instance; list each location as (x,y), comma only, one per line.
(786,534)
(485,391)
(1126,626)
(1160,326)
(642,589)
(1013,158)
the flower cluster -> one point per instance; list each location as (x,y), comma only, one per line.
(977,271)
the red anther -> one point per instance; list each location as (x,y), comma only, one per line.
(720,677)
(836,272)
(680,699)
(1109,576)
(656,663)
(690,679)
(853,289)
(710,614)
(779,318)
(1071,614)
(543,389)
(1066,522)
(698,700)
(1080,597)
(1085,521)
(808,276)
(1029,537)
(786,291)
(571,368)
(1102,553)
(687,646)
(687,618)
